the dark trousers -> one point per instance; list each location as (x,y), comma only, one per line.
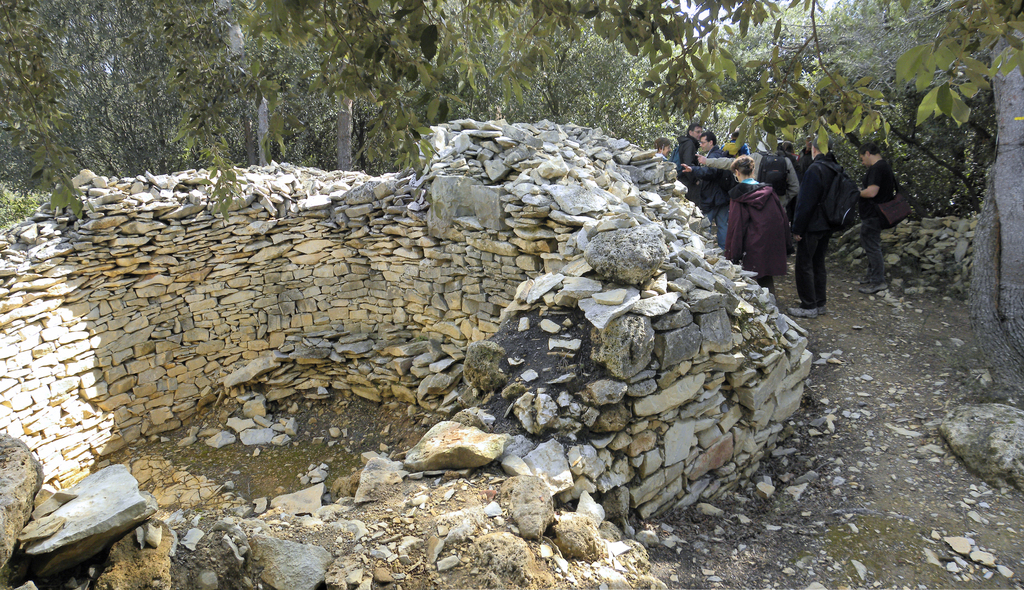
(811,278)
(767,282)
(871,241)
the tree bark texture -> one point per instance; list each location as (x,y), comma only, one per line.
(997,279)
(344,133)
(263,128)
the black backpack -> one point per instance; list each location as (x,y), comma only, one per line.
(725,180)
(773,171)
(840,202)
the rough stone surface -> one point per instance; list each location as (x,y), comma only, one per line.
(577,536)
(450,445)
(378,479)
(627,256)
(288,565)
(624,347)
(989,439)
(20,479)
(528,499)
(305,501)
(508,562)
(482,365)
(130,567)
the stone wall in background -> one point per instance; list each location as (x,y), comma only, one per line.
(933,254)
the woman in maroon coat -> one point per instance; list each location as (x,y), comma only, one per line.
(758,233)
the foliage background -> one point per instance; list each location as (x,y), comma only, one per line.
(125,118)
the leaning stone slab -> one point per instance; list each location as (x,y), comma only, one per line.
(254,369)
(450,445)
(108,505)
(989,438)
(21,476)
(290,566)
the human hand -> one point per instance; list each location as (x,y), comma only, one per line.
(796,238)
(685,168)
(702,160)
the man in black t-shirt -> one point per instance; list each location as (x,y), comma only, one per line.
(879,187)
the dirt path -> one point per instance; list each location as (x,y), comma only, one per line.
(882,489)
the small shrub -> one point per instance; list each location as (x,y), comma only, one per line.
(16,207)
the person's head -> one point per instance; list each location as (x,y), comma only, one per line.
(708,140)
(663,146)
(829,149)
(787,147)
(869,153)
(743,168)
(694,130)
(735,135)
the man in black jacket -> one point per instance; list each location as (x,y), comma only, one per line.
(811,232)
(686,154)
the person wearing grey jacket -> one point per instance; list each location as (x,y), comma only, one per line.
(792,183)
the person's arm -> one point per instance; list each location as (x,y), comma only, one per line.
(720,163)
(871,184)
(792,182)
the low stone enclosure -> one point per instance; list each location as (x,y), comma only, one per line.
(674,374)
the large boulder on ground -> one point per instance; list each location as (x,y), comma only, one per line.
(627,256)
(528,499)
(625,345)
(450,445)
(108,504)
(130,567)
(482,368)
(508,562)
(21,476)
(288,565)
(989,438)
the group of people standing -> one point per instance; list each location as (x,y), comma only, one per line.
(759,223)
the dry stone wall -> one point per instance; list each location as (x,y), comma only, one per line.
(123,323)
(935,253)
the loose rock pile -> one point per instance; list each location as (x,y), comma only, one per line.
(936,251)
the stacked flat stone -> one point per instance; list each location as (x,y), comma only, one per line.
(124,322)
(936,251)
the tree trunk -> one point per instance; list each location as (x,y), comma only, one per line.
(344,133)
(250,142)
(997,279)
(262,129)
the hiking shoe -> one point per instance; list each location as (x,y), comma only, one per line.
(864,280)
(822,310)
(869,289)
(800,312)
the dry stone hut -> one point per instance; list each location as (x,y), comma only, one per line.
(677,372)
